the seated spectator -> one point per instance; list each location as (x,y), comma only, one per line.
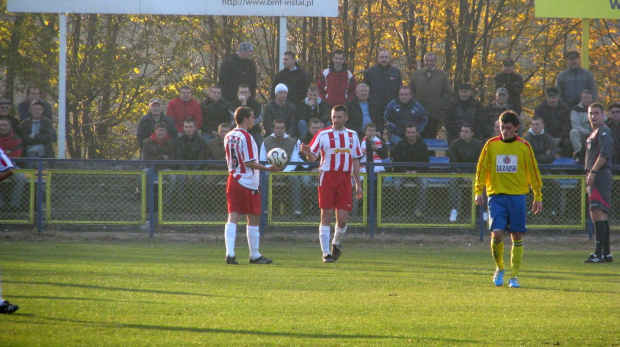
(214,112)
(280,139)
(281,109)
(311,107)
(545,150)
(412,150)
(493,110)
(6,111)
(182,107)
(190,146)
(11,144)
(215,146)
(613,122)
(33,94)
(308,180)
(244,98)
(159,146)
(403,111)
(497,128)
(556,116)
(463,109)
(580,125)
(146,125)
(38,133)
(465,149)
(363,111)
(378,152)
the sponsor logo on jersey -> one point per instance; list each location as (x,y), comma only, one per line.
(506,164)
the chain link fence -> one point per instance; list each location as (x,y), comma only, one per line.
(17,198)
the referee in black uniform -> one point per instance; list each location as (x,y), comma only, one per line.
(599,151)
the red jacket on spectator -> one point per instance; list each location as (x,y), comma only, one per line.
(11,145)
(179,110)
(336,87)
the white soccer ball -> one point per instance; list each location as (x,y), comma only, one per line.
(277,157)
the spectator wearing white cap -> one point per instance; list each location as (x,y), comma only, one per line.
(237,69)
(146,126)
(283,109)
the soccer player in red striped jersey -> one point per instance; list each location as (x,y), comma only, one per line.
(340,152)
(242,192)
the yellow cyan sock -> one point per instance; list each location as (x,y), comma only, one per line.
(497,250)
(516,257)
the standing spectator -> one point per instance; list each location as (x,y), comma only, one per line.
(362,111)
(598,182)
(312,107)
(214,112)
(12,146)
(464,109)
(341,152)
(556,117)
(507,169)
(6,111)
(146,125)
(293,77)
(336,83)
(190,146)
(244,98)
(38,133)
(237,69)
(465,149)
(613,123)
(575,79)
(184,106)
(282,109)
(33,93)
(280,139)
(384,81)
(242,194)
(494,109)
(580,125)
(432,88)
(412,150)
(401,112)
(512,81)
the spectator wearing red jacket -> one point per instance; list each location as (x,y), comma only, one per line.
(336,83)
(183,107)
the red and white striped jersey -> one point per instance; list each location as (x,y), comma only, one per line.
(375,156)
(240,149)
(337,148)
(5,162)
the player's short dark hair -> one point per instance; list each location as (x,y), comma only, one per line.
(161,125)
(290,54)
(340,108)
(189,120)
(370,125)
(242,113)
(598,105)
(509,117)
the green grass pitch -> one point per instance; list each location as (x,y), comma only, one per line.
(143,293)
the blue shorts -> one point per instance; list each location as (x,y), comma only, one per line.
(507,212)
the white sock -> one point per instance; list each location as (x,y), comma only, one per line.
(324,238)
(339,234)
(230,233)
(253,241)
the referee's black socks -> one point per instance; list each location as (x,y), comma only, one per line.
(606,247)
(600,230)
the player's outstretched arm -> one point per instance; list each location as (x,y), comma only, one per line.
(254,165)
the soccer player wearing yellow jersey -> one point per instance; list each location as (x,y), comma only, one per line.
(507,168)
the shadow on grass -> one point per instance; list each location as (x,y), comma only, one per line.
(78,299)
(245,332)
(88,286)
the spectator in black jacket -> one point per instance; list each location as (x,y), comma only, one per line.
(282,109)
(214,112)
(465,149)
(244,98)
(293,77)
(362,111)
(493,110)
(146,126)
(412,150)
(384,81)
(464,109)
(556,116)
(237,69)
(312,107)
(38,133)
(613,122)
(513,82)
(190,146)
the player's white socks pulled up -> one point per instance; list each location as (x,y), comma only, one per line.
(339,234)
(324,238)
(253,241)
(230,233)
